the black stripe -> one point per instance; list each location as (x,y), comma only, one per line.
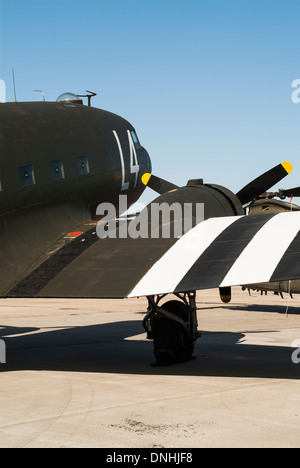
(289,266)
(213,265)
(40,277)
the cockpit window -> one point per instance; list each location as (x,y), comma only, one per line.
(135,140)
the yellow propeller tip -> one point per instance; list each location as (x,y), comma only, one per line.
(145,178)
(287,166)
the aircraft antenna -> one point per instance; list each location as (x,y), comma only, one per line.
(14,82)
(41,91)
(90,95)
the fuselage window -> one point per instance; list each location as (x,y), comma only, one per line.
(26,175)
(83,165)
(57,170)
(135,140)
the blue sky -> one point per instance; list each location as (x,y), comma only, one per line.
(206,83)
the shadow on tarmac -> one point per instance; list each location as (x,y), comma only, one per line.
(274,309)
(105,349)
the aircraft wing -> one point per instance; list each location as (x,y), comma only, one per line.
(218,252)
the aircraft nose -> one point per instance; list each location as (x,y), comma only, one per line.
(145,162)
(148,163)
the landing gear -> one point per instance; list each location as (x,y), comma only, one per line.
(172,327)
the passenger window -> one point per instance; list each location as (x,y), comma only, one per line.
(83,165)
(135,140)
(26,176)
(57,170)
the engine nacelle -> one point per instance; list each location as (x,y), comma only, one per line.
(187,203)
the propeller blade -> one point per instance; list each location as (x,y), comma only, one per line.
(264,182)
(290,193)
(157,184)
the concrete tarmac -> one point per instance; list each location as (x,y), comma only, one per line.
(78,373)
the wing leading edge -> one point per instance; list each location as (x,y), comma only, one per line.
(216,253)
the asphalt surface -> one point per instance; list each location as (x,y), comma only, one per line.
(79,373)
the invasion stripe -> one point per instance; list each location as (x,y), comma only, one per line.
(211,268)
(289,266)
(31,285)
(261,257)
(167,272)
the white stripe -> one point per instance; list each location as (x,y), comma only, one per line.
(167,273)
(260,258)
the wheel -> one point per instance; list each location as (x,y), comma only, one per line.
(172,342)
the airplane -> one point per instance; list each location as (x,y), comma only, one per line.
(274,202)
(60,161)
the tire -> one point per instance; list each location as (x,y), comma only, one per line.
(171,341)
